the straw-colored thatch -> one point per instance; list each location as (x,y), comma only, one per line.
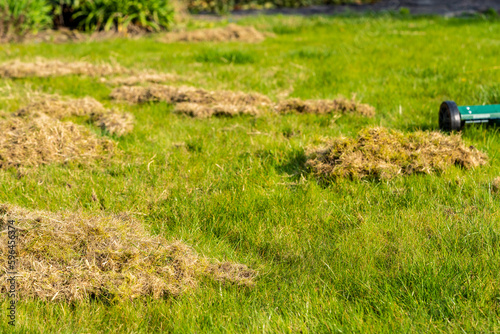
(74,256)
(230,33)
(382,153)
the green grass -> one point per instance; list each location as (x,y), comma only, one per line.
(414,254)
(217,56)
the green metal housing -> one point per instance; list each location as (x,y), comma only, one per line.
(480,114)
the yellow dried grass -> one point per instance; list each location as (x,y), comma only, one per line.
(112,121)
(341,105)
(115,123)
(230,33)
(203,111)
(148,77)
(57,107)
(42,139)
(198,102)
(382,153)
(50,68)
(171,94)
(496,185)
(77,256)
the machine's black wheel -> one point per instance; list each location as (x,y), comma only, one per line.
(449,117)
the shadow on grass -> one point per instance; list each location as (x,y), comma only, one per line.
(294,165)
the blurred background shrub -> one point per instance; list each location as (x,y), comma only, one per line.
(18,17)
(121,15)
(225,6)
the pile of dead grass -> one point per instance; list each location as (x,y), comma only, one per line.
(57,107)
(75,256)
(172,94)
(203,111)
(496,185)
(382,153)
(49,68)
(198,102)
(112,121)
(195,102)
(144,78)
(341,105)
(38,140)
(115,123)
(230,33)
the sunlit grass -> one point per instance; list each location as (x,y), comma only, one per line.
(413,254)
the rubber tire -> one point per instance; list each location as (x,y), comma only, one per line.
(449,117)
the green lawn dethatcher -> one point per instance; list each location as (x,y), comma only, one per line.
(453,118)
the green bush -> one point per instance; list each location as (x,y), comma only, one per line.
(91,15)
(63,11)
(152,15)
(225,6)
(18,17)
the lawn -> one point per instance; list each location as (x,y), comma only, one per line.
(413,254)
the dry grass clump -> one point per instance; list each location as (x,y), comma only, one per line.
(195,102)
(496,185)
(144,78)
(203,111)
(198,102)
(75,256)
(341,105)
(194,109)
(50,68)
(382,153)
(230,33)
(42,139)
(55,106)
(171,94)
(114,122)
(140,94)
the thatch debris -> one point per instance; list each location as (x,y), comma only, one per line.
(50,68)
(75,256)
(55,106)
(140,94)
(382,153)
(203,111)
(139,78)
(340,105)
(198,102)
(116,123)
(194,109)
(195,102)
(41,139)
(171,94)
(112,121)
(230,33)
(496,185)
